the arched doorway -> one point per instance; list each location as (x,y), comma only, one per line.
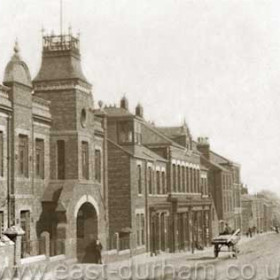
(87,233)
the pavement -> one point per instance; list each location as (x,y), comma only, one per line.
(254,251)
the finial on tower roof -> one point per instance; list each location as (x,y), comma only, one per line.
(16,47)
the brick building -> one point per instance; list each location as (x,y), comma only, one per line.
(53,153)
(257,213)
(224,184)
(71,173)
(157,170)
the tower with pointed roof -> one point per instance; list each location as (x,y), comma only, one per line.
(77,146)
(24,126)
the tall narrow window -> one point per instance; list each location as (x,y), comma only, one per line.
(163,183)
(198,189)
(150,180)
(194,181)
(1,154)
(138,229)
(142,229)
(191,180)
(39,158)
(85,160)
(23,156)
(139,175)
(179,178)
(158,182)
(1,223)
(60,159)
(174,177)
(98,166)
(187,180)
(137,133)
(183,188)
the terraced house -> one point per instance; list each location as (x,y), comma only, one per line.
(157,186)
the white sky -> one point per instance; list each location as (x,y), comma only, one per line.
(214,62)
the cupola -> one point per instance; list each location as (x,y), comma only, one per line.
(16,70)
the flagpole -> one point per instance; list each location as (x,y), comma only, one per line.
(61,17)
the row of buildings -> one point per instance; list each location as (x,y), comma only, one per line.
(72,172)
(259,214)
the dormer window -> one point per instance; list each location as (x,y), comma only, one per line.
(125,132)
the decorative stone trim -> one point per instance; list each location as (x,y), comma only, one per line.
(62,85)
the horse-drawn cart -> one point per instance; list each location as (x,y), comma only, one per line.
(228,240)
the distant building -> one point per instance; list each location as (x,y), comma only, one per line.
(224,184)
(257,213)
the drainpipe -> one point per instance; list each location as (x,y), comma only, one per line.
(9,169)
(32,156)
(147,217)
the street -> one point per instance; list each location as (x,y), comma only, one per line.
(259,259)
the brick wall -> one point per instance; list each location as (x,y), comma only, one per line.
(119,197)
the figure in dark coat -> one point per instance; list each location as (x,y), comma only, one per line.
(98,249)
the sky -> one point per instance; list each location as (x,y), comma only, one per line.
(215,63)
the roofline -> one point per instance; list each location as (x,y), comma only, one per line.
(134,156)
(215,164)
(170,141)
(229,161)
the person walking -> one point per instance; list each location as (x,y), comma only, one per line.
(250,232)
(98,249)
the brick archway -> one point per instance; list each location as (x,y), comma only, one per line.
(87,233)
(84,199)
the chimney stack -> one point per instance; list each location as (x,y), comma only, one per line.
(124,103)
(203,146)
(139,111)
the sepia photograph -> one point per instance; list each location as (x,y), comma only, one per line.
(139,139)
